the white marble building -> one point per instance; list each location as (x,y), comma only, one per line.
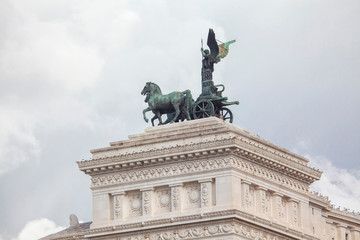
(205,179)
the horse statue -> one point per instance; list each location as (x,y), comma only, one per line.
(174,102)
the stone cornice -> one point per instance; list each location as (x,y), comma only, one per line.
(238,222)
(207,149)
(331,213)
(200,127)
(344,216)
(204,131)
(154,155)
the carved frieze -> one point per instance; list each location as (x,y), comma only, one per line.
(270,158)
(197,166)
(204,231)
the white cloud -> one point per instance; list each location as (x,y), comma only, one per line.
(46,51)
(38,228)
(17,141)
(51,54)
(340,185)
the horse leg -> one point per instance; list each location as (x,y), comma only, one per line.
(187,104)
(184,114)
(144,111)
(177,112)
(152,120)
(158,114)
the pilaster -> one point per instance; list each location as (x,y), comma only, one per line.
(176,197)
(293,212)
(118,206)
(147,201)
(262,205)
(206,193)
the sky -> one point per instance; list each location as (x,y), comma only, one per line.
(71,73)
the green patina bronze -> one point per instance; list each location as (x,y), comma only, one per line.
(175,102)
(180,105)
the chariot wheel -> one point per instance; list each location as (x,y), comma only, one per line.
(203,109)
(226,114)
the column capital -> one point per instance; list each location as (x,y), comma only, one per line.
(205,180)
(261,188)
(146,189)
(118,193)
(245,181)
(176,185)
(277,194)
(293,200)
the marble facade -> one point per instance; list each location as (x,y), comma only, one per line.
(206,179)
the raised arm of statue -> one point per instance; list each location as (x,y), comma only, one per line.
(202,48)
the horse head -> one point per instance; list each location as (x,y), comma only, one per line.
(146,89)
(150,88)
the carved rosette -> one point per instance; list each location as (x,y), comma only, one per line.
(135,204)
(163,200)
(193,195)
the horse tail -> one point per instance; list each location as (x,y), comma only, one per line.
(188,102)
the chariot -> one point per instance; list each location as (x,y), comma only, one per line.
(213,105)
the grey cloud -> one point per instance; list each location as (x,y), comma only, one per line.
(73,72)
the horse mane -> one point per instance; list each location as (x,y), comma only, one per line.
(157,87)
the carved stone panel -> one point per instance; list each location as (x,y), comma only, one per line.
(206,193)
(147,202)
(163,200)
(248,195)
(192,195)
(118,206)
(263,206)
(176,193)
(278,207)
(293,209)
(135,204)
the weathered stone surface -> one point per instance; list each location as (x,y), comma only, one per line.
(207,179)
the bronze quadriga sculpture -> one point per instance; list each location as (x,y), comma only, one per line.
(180,105)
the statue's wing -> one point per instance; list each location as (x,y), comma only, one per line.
(211,42)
